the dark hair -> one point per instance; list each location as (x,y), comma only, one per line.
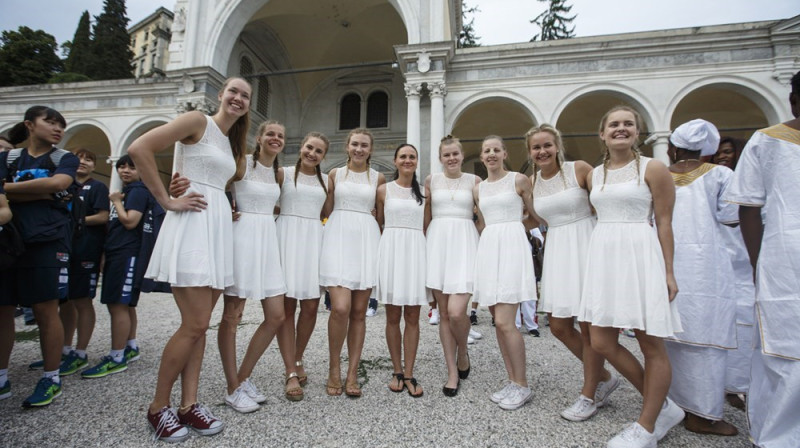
(83,152)
(414,183)
(738,145)
(261,128)
(237,135)
(327,142)
(125,160)
(796,83)
(4,138)
(19,133)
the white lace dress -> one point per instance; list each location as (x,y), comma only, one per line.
(401,253)
(503,264)
(300,233)
(625,284)
(195,248)
(351,235)
(452,238)
(565,206)
(257,272)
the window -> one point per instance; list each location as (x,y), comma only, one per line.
(262,102)
(378,110)
(350,112)
(245,66)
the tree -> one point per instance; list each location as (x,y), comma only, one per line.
(112,54)
(554,21)
(467,37)
(28,57)
(79,59)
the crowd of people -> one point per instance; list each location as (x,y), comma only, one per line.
(697,260)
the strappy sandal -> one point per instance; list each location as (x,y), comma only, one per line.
(400,381)
(414,383)
(304,377)
(352,390)
(334,389)
(294,393)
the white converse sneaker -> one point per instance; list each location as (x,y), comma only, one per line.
(634,436)
(474,334)
(671,414)
(252,391)
(471,340)
(582,410)
(604,389)
(240,402)
(434,320)
(516,398)
(498,396)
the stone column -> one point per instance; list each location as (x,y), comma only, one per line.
(660,147)
(115,183)
(437,92)
(412,127)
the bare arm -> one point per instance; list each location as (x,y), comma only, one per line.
(327,207)
(663,190)
(480,224)
(98,219)
(128,218)
(380,200)
(525,191)
(5,210)
(752,231)
(428,214)
(43,186)
(583,173)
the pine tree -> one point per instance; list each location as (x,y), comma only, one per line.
(111,51)
(554,21)
(27,57)
(467,37)
(80,55)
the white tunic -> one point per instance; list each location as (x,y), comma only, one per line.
(744,290)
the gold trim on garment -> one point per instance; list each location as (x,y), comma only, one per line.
(783,132)
(684,179)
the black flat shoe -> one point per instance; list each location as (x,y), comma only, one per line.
(463,374)
(451,392)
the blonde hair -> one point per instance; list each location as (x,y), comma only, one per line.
(362,131)
(327,142)
(560,158)
(450,140)
(635,148)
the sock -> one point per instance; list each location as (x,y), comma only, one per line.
(66,350)
(117,355)
(3,376)
(53,375)
(81,353)
(132,344)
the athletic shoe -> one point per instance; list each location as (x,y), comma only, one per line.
(166,427)
(581,410)
(604,389)
(240,401)
(46,391)
(107,366)
(131,354)
(516,398)
(534,333)
(634,436)
(474,334)
(473,317)
(371,311)
(72,364)
(201,420)
(5,391)
(471,340)
(252,391)
(629,333)
(671,414)
(498,396)
(434,320)
(38,365)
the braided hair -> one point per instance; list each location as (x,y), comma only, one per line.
(257,151)
(544,127)
(324,138)
(635,148)
(362,131)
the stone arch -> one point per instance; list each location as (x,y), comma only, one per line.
(96,137)
(140,127)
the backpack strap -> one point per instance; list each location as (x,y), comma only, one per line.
(57,154)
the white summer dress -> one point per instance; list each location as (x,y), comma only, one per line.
(351,235)
(565,206)
(195,248)
(504,264)
(625,284)
(401,253)
(452,238)
(257,272)
(300,233)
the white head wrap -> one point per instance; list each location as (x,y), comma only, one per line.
(696,135)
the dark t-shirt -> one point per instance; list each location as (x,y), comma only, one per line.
(119,238)
(88,245)
(43,220)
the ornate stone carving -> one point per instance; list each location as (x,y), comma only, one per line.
(413,89)
(423,62)
(437,88)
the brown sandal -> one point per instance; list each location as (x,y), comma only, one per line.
(304,377)
(293,393)
(334,389)
(352,390)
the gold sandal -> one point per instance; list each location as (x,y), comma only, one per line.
(294,393)
(334,389)
(302,378)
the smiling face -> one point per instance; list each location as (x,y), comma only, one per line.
(86,166)
(234,98)
(359,148)
(493,153)
(405,160)
(543,150)
(726,155)
(272,139)
(451,157)
(620,130)
(312,151)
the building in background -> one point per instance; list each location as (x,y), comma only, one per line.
(150,44)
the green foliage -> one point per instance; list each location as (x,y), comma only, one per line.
(79,58)
(68,77)
(111,54)
(467,37)
(554,23)
(27,57)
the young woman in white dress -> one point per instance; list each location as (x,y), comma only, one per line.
(303,196)
(561,199)
(452,240)
(629,281)
(349,257)
(194,251)
(504,274)
(401,266)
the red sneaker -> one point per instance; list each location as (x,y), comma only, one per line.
(166,427)
(201,420)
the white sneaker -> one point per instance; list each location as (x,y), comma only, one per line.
(252,391)
(471,340)
(371,311)
(634,436)
(581,410)
(474,334)
(498,396)
(516,398)
(434,320)
(240,402)
(671,414)
(604,389)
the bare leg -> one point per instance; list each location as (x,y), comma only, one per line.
(305,327)
(273,319)
(449,343)
(51,333)
(6,335)
(411,339)
(459,327)
(338,323)
(69,320)
(86,322)
(233,307)
(190,375)
(593,371)
(120,325)
(563,328)
(134,322)
(514,356)
(356,332)
(286,340)
(657,378)
(393,341)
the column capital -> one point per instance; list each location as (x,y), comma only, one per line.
(413,89)
(437,89)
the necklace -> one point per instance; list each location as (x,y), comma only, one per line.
(452,187)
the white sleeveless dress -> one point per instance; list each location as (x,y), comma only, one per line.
(351,235)
(401,253)
(452,238)
(300,233)
(625,284)
(195,248)
(504,264)
(257,272)
(565,206)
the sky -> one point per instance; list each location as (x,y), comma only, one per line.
(494,24)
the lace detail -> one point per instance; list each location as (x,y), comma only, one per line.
(625,197)
(257,192)
(556,184)
(452,198)
(355,191)
(401,208)
(499,201)
(209,161)
(558,205)
(304,199)
(625,174)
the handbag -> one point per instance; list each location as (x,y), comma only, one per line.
(11,245)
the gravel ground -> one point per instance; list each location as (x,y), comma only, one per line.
(111,411)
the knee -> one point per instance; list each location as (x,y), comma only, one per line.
(309,308)
(196,328)
(275,320)
(560,331)
(339,312)
(603,347)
